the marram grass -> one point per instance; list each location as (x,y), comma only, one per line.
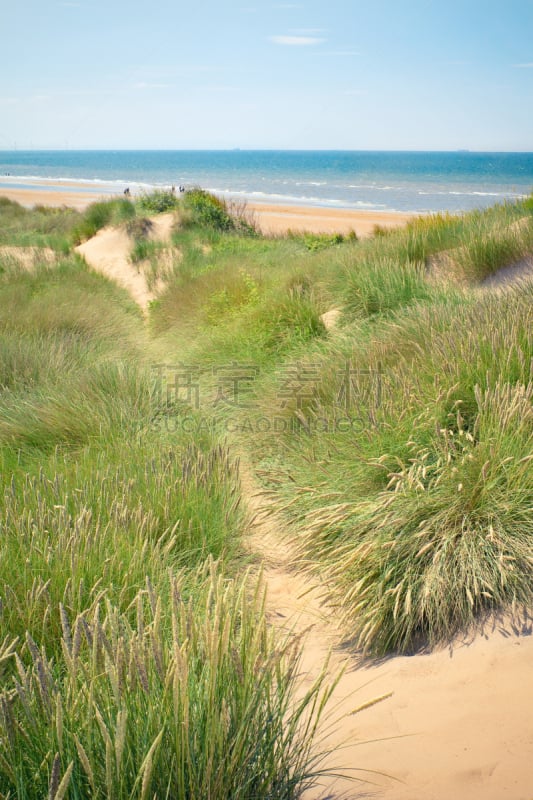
(194,699)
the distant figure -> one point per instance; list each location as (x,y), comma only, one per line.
(127,191)
(173,190)
(182,188)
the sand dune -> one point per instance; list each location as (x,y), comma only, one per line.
(109,253)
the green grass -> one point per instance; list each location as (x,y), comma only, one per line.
(193,698)
(101,214)
(40,227)
(437,453)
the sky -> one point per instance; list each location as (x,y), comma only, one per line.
(316,74)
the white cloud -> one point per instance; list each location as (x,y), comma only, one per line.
(296,41)
(528,65)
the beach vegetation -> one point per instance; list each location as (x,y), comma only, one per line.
(319,241)
(101,214)
(157,201)
(205,210)
(40,227)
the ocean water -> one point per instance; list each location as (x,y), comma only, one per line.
(379,181)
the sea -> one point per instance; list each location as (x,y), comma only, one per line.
(360,180)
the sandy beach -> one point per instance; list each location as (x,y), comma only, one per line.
(271,219)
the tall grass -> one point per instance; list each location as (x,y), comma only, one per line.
(38,227)
(383,285)
(99,215)
(192,699)
(130,664)
(438,454)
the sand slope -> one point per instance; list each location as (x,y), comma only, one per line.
(109,253)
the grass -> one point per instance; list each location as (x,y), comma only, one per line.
(99,215)
(213,689)
(42,227)
(437,454)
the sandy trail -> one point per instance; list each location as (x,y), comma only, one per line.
(459,722)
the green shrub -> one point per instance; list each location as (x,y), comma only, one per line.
(158,201)
(315,242)
(207,210)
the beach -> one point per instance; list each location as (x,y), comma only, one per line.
(271,219)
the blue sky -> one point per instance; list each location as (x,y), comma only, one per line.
(378,74)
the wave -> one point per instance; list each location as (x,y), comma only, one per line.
(299,200)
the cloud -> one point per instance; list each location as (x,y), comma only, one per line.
(285,6)
(528,65)
(296,41)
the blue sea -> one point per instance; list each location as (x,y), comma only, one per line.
(361,180)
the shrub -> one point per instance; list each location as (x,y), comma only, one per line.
(158,201)
(207,210)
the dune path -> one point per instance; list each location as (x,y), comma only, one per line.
(458,722)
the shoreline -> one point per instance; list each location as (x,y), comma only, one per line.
(271,218)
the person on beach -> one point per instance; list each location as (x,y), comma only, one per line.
(127,191)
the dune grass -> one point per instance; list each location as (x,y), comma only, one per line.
(40,227)
(417,510)
(192,698)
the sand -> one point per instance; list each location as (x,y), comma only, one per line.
(55,196)
(109,253)
(279,219)
(271,219)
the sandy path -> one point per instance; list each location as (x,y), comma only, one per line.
(459,723)
(511,275)
(108,252)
